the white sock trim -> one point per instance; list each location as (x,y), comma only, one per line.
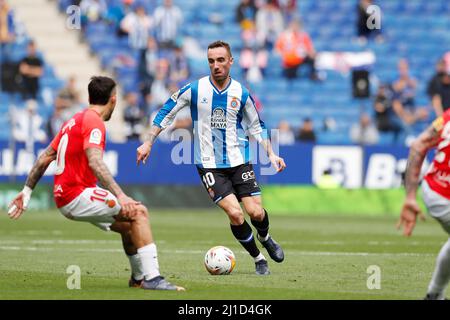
(259,257)
(263,239)
(136,267)
(441,274)
(149,261)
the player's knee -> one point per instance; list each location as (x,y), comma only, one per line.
(142,214)
(257,214)
(255,211)
(236,215)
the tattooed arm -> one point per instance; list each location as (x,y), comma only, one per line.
(40,166)
(410,210)
(20,202)
(427,140)
(101,171)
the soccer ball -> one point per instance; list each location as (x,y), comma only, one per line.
(220,260)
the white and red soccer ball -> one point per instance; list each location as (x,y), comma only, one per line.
(219,260)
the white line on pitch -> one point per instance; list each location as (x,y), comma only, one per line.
(302,253)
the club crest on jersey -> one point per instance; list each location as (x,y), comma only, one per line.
(96,136)
(219,119)
(234,103)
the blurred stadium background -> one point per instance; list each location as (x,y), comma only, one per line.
(350,117)
(343,128)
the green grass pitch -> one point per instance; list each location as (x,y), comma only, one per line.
(326,258)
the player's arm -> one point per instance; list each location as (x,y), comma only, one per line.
(104,176)
(419,148)
(163,119)
(418,151)
(20,202)
(101,171)
(277,162)
(258,131)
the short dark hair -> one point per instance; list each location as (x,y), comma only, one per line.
(100,89)
(220,44)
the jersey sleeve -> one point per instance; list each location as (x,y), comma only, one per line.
(255,126)
(179,100)
(93,131)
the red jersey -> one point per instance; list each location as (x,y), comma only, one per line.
(438,176)
(73,174)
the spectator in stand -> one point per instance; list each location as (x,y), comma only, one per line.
(56,120)
(288,8)
(137,24)
(296,49)
(364,132)
(403,100)
(31,70)
(6,30)
(159,92)
(440,89)
(269,24)
(70,93)
(385,117)
(246,13)
(254,57)
(168,19)
(179,66)
(436,80)
(151,56)
(133,116)
(66,104)
(92,11)
(27,125)
(405,86)
(306,132)
(363,32)
(253,63)
(116,13)
(285,133)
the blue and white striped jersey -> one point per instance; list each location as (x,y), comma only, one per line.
(221,121)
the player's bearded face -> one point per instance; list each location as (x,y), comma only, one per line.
(111,106)
(220,63)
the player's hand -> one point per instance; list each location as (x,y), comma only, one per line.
(408,216)
(277,162)
(129,205)
(143,152)
(20,203)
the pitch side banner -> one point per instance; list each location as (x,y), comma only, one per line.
(352,166)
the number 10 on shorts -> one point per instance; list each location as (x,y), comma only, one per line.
(208,179)
(100,195)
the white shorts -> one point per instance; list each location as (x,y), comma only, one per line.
(437,205)
(95,205)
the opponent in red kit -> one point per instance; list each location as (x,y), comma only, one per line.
(435,193)
(78,151)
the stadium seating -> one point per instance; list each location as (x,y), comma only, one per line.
(332,27)
(49,84)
